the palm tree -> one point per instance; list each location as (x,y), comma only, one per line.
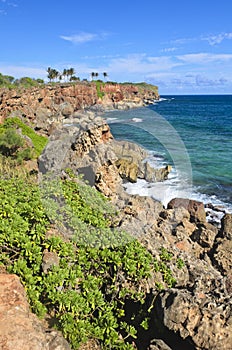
(52,73)
(56,74)
(65,73)
(49,71)
(70,72)
(92,75)
(105,75)
(74,78)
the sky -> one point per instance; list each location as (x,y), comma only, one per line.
(184,47)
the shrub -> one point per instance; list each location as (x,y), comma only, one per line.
(39,142)
(86,292)
(10,142)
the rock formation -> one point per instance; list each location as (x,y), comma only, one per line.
(45,107)
(19,327)
(196,313)
(192,313)
(89,149)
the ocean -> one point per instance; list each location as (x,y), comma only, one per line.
(191,133)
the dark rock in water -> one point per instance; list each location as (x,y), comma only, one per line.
(156,175)
(215,207)
(195,208)
(214,214)
(130,154)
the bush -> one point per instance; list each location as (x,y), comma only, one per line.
(10,142)
(87,288)
(39,142)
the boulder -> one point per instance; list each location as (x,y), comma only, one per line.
(222,255)
(66,109)
(199,321)
(205,235)
(156,175)
(132,152)
(226,226)
(19,328)
(127,169)
(195,208)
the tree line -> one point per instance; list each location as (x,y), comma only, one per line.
(9,81)
(53,75)
(68,75)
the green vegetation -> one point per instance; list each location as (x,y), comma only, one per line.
(39,142)
(54,74)
(7,81)
(143,85)
(12,145)
(18,143)
(96,269)
(61,237)
(99,84)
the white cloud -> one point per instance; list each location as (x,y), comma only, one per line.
(213,39)
(169,49)
(217,39)
(204,58)
(205,81)
(23,71)
(5,6)
(142,64)
(182,41)
(83,37)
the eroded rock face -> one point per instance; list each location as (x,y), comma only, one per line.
(132,163)
(222,250)
(226,227)
(127,170)
(19,328)
(204,323)
(49,105)
(196,312)
(195,208)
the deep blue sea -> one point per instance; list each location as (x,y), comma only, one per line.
(194,135)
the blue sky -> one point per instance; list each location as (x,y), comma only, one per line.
(184,47)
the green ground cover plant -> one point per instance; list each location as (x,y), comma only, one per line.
(85,292)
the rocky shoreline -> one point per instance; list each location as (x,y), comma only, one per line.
(195,314)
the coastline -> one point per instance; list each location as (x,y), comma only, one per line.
(119,122)
(192,261)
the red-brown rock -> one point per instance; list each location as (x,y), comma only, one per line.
(195,208)
(19,328)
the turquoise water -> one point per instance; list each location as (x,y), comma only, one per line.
(194,134)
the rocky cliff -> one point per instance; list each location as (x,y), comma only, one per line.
(197,312)
(194,313)
(48,105)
